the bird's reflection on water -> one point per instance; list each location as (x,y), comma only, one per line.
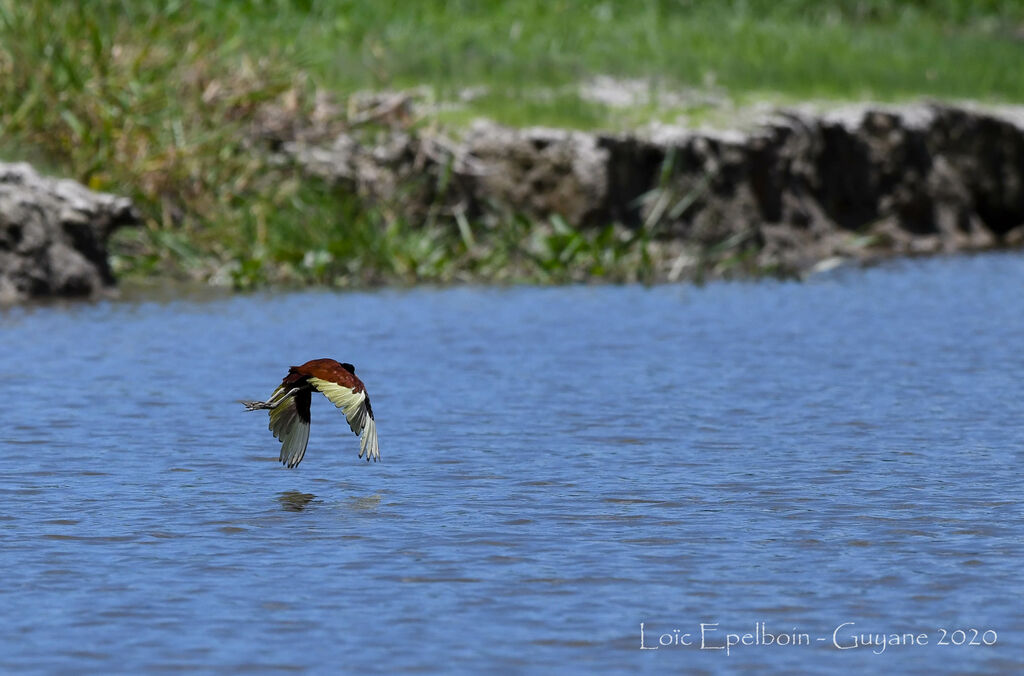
(368,502)
(294,501)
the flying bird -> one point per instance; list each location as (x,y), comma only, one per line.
(289,407)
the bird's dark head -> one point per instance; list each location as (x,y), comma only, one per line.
(348,367)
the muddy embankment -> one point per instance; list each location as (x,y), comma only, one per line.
(795,191)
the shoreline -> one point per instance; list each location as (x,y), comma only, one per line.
(798,191)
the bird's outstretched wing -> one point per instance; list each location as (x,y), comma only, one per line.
(355,404)
(289,421)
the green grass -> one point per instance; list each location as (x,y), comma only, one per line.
(797,49)
(155,100)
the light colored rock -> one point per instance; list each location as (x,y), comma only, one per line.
(53,235)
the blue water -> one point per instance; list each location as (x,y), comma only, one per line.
(559,466)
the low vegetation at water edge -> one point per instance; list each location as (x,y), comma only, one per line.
(157,102)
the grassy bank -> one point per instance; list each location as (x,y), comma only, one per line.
(157,104)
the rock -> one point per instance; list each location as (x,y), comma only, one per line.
(799,187)
(53,235)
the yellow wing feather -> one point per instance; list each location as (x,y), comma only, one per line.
(353,405)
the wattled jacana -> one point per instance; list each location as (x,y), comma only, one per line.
(289,407)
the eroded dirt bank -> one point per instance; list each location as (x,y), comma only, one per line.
(793,191)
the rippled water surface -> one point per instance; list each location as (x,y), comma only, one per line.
(559,466)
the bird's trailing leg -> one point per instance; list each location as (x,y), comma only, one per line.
(279,395)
